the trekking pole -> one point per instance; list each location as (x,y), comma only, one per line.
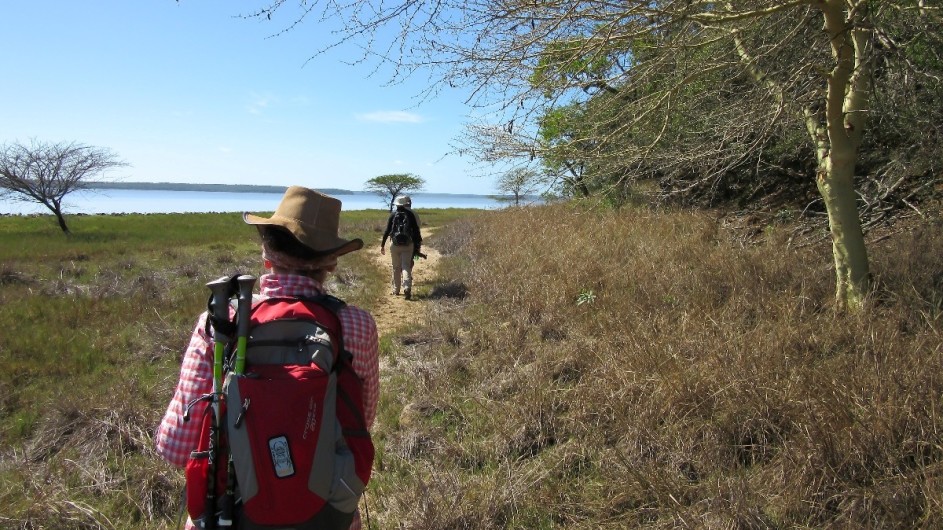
(219,313)
(246,283)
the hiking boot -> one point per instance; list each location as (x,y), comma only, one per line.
(408,294)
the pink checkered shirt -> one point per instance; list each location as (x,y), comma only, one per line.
(175,439)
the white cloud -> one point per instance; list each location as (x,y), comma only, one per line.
(390,116)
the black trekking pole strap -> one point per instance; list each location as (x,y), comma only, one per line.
(366,511)
(218,323)
(183,508)
(222,290)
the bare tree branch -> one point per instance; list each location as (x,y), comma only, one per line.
(45,173)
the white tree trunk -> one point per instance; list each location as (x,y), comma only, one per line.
(837,142)
(852,274)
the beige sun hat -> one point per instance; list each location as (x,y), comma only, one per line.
(312,217)
(403,200)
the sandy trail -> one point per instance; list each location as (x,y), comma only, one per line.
(394,311)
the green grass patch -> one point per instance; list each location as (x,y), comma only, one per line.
(96,323)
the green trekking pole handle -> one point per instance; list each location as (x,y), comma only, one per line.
(246,283)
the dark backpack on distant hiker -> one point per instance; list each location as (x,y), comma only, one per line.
(402,228)
(301,454)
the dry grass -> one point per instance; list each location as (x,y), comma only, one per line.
(639,369)
(579,369)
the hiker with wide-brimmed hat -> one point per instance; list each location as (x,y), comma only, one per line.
(402,229)
(300,248)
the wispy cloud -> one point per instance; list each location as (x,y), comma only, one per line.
(259,102)
(390,116)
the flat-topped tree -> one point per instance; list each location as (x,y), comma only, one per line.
(389,187)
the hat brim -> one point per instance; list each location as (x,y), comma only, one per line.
(321,243)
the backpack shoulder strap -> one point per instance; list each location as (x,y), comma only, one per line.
(333,306)
(414,226)
(332,303)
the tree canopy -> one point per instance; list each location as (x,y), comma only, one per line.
(389,187)
(517,183)
(708,98)
(826,108)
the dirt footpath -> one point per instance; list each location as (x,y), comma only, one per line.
(394,311)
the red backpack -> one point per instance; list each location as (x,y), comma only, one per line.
(300,454)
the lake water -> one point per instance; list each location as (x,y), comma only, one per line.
(109,201)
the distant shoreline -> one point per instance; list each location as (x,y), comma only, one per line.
(182,186)
(248,188)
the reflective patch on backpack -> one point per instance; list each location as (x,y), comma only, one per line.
(281,457)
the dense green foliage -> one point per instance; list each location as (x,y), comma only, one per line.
(714,112)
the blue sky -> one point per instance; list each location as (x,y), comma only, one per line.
(190,92)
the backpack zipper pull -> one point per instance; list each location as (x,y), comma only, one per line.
(309,340)
(242,413)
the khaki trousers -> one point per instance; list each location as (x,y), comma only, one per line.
(402,256)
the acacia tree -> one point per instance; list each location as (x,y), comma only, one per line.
(664,86)
(45,173)
(517,182)
(389,187)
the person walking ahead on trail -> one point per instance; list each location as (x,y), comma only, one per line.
(300,247)
(402,228)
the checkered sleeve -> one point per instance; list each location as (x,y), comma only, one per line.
(175,438)
(360,339)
